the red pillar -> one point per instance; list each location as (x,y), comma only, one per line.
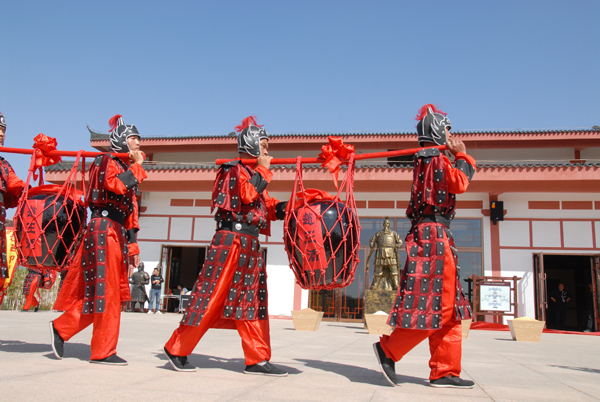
(495,248)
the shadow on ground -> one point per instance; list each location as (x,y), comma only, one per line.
(79,351)
(583,369)
(213,362)
(357,374)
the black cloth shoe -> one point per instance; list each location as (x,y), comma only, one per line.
(451,382)
(35,310)
(179,363)
(265,369)
(57,342)
(387,365)
(112,360)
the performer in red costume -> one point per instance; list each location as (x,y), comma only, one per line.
(430,303)
(36,279)
(11,188)
(231,290)
(32,282)
(97,282)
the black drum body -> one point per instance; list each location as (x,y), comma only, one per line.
(47,228)
(321,241)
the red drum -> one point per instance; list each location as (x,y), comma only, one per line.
(322,241)
(322,234)
(48,225)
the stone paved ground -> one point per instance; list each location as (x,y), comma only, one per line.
(335,363)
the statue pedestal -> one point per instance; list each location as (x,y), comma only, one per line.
(307,319)
(379,300)
(526,329)
(377,324)
(466,326)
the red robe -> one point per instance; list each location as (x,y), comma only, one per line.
(430,302)
(97,282)
(231,290)
(11,188)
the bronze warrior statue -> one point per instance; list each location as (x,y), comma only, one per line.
(387,261)
(139,280)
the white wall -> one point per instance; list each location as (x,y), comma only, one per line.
(547,234)
(515,254)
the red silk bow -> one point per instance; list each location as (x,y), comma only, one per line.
(44,145)
(335,153)
(311,195)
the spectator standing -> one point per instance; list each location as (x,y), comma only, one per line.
(156,280)
(589,300)
(560,299)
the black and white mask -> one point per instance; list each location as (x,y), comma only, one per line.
(432,128)
(249,140)
(2,121)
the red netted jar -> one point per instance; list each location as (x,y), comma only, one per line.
(48,225)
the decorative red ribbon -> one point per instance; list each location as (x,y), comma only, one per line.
(310,195)
(44,145)
(335,153)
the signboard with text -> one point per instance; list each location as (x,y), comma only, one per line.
(495,296)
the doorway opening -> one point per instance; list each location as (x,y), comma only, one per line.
(181,266)
(575,273)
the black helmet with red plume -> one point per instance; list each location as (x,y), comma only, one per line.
(250,134)
(432,125)
(119,132)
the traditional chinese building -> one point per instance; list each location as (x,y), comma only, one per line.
(547,181)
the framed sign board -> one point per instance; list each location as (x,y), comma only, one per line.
(495,296)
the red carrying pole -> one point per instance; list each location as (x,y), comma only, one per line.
(60,153)
(373,155)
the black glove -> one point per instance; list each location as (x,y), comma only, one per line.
(280,210)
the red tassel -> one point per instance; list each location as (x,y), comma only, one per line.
(423,111)
(114,121)
(250,120)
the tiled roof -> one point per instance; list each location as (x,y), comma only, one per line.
(65,166)
(98,136)
(536,164)
(164,166)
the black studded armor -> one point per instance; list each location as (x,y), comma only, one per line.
(109,212)
(418,304)
(235,279)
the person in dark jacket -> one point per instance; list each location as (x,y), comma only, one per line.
(156,281)
(589,301)
(560,300)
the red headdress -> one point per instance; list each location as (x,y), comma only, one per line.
(423,111)
(114,121)
(247,122)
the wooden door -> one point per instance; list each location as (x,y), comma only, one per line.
(540,286)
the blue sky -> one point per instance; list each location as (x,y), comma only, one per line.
(178,68)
